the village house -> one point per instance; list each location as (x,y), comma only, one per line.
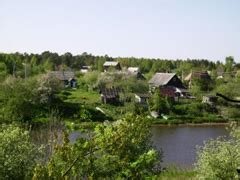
(67,77)
(196,75)
(111,65)
(85,69)
(169,84)
(135,71)
(110,95)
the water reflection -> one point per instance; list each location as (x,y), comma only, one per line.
(179,143)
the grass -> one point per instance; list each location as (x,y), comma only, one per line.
(174,173)
(82,96)
(92,99)
(184,119)
(73,126)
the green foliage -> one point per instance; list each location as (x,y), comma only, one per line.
(229,62)
(23,100)
(115,150)
(204,84)
(133,85)
(3,70)
(174,173)
(18,155)
(230,89)
(233,112)
(219,159)
(90,79)
(159,103)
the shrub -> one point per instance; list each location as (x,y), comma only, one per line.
(18,155)
(220,158)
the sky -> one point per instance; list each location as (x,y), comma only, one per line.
(166,29)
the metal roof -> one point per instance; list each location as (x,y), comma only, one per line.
(133,69)
(110,63)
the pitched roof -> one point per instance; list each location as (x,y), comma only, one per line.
(197,75)
(133,69)
(110,63)
(161,79)
(111,92)
(63,75)
(143,95)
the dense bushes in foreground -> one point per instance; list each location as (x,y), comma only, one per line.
(121,149)
(115,150)
(219,159)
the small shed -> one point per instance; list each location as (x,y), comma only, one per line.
(110,95)
(111,65)
(67,77)
(85,69)
(133,69)
(142,97)
(212,100)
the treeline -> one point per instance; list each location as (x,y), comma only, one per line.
(17,63)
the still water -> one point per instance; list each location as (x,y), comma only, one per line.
(179,142)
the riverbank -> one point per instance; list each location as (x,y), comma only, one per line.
(192,124)
(194,121)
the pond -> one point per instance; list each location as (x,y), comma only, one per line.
(179,142)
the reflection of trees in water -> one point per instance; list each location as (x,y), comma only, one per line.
(47,135)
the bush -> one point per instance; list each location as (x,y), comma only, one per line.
(18,155)
(119,150)
(220,158)
(233,112)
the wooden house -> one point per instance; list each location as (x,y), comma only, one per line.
(66,77)
(196,75)
(135,71)
(110,95)
(111,65)
(169,84)
(166,79)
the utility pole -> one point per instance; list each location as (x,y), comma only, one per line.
(14,68)
(25,69)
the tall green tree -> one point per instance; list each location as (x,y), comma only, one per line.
(229,62)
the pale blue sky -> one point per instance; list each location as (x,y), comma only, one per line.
(142,28)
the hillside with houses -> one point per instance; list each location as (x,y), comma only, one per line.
(69,116)
(87,88)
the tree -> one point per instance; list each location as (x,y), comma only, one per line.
(219,159)
(229,62)
(115,150)
(158,102)
(91,78)
(18,156)
(3,70)
(204,84)
(24,100)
